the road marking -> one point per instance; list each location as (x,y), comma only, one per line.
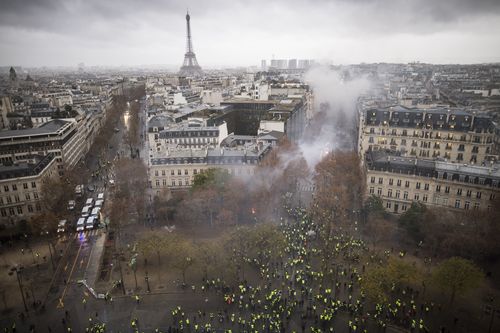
(61,303)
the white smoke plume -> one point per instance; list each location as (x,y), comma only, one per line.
(333,123)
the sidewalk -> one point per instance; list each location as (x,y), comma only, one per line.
(93,267)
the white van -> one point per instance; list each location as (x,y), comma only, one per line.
(100,196)
(80,225)
(86,211)
(95,212)
(99,203)
(89,202)
(90,223)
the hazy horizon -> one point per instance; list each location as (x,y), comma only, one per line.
(57,33)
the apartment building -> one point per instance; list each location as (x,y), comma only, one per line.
(21,187)
(60,137)
(177,168)
(454,134)
(401,180)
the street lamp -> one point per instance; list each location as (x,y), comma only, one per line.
(50,250)
(18,270)
(147,281)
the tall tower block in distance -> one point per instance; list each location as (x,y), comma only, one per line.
(190,66)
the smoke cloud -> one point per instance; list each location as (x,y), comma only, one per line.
(333,123)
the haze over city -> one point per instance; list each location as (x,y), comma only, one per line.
(238,33)
(249,166)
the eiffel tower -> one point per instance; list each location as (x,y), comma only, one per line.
(190,66)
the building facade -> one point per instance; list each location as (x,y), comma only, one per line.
(177,169)
(400,180)
(60,137)
(454,134)
(21,187)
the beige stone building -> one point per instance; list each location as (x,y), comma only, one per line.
(451,134)
(400,180)
(177,169)
(21,187)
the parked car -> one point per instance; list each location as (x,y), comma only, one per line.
(111,182)
(79,190)
(71,204)
(86,211)
(90,223)
(89,202)
(99,203)
(80,225)
(91,188)
(95,212)
(61,226)
(100,196)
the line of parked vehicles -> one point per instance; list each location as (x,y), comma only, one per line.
(91,213)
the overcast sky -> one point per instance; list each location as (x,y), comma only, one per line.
(242,32)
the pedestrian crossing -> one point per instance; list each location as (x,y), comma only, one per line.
(87,233)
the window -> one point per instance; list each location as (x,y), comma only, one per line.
(11,211)
(186,182)
(426,187)
(460,157)
(30,208)
(186,171)
(195,171)
(466,205)
(156,173)
(407,183)
(389,193)
(172,172)
(9,200)
(164,182)
(179,172)
(417,186)
(370,139)
(391,181)
(457,203)
(476,205)
(372,130)
(478,195)
(19,210)
(447,189)
(379,191)
(424,198)
(38,207)
(33,185)
(398,193)
(492,196)
(173,182)
(438,188)
(6,188)
(417,196)
(403,142)
(459,191)
(157,183)
(461,148)
(380,180)
(25,186)
(399,182)
(404,207)
(372,190)
(163,172)
(16,198)
(469,193)
(388,204)
(3,212)
(372,180)
(405,195)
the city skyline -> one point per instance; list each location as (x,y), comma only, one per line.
(53,33)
